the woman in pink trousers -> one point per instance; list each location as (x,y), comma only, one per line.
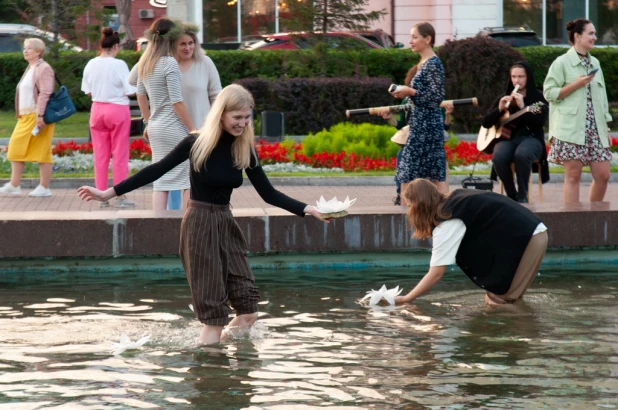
(106,80)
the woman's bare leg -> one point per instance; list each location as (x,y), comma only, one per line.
(572,178)
(601,173)
(17,170)
(45,171)
(210,334)
(159,200)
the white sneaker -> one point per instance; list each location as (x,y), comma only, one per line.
(10,189)
(40,191)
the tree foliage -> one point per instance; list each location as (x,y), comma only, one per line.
(60,16)
(330,15)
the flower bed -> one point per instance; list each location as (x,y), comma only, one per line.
(138,149)
(286,156)
(458,153)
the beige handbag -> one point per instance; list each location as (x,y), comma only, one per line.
(401,136)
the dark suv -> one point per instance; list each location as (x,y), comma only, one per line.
(515,36)
(380,37)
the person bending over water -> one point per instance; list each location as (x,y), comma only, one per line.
(498,243)
(213,249)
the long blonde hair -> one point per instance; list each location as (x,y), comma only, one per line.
(425,207)
(232,98)
(162,36)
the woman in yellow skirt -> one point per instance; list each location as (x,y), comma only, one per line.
(32,138)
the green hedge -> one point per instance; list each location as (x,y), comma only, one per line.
(242,64)
(314,104)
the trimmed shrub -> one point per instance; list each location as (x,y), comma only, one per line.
(314,104)
(367,140)
(476,67)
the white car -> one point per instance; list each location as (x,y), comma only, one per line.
(12,37)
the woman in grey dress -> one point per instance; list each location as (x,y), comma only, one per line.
(200,79)
(160,100)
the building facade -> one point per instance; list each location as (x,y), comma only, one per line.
(464,18)
(452,19)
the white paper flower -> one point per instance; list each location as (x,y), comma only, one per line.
(375,296)
(325,207)
(127,344)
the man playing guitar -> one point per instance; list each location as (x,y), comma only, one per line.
(526,142)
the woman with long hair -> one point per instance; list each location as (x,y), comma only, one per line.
(579,113)
(160,100)
(32,137)
(403,119)
(423,155)
(498,243)
(200,79)
(212,247)
(106,80)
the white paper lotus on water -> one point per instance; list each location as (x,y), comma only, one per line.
(375,296)
(326,207)
(127,344)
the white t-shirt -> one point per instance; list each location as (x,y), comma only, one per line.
(107,80)
(447,237)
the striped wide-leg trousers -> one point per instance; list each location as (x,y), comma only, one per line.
(213,251)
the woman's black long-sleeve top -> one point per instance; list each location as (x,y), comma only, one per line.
(217,179)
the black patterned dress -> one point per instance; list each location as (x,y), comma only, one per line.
(424,155)
(592,150)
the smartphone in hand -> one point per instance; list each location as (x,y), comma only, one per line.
(593,71)
(35,130)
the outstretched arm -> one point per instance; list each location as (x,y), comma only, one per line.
(269,194)
(146,176)
(429,281)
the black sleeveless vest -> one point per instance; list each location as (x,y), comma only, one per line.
(497,233)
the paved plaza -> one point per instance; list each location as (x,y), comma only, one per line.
(247,197)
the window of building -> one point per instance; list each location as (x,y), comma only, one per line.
(527,13)
(603,13)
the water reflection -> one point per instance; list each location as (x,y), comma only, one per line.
(314,346)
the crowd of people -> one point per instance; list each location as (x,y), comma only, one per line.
(202,142)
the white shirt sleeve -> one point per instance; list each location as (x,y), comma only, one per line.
(540,228)
(446,240)
(86,87)
(123,73)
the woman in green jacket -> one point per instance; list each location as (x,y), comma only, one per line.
(579,113)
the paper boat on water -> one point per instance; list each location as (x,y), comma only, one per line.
(127,344)
(375,296)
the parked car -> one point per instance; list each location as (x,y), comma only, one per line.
(380,37)
(515,36)
(296,41)
(12,37)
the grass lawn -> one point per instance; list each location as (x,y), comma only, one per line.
(76,126)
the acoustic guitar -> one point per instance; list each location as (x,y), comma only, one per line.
(488,137)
